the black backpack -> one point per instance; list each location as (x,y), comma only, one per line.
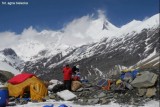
(58,88)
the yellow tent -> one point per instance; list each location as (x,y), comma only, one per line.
(34,85)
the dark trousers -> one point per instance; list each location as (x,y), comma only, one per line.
(67,84)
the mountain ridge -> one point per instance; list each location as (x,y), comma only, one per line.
(125,46)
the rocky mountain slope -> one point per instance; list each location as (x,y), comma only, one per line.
(135,44)
(11,60)
(132,48)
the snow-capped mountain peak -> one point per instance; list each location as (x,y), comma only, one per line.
(81,31)
(28,48)
(137,26)
(152,22)
(87,41)
(129,26)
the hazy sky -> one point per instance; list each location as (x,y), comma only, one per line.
(55,14)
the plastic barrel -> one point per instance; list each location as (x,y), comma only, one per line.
(3,96)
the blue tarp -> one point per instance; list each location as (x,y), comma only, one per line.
(84,81)
(134,73)
(49,105)
(122,76)
(63,105)
(127,74)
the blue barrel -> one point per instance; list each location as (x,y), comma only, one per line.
(3,96)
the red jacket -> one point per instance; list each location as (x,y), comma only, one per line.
(67,73)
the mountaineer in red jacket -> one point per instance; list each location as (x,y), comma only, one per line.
(67,74)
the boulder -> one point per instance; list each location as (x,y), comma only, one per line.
(104,101)
(142,92)
(52,96)
(93,101)
(151,92)
(87,89)
(5,76)
(102,94)
(52,83)
(128,86)
(46,98)
(146,79)
(79,90)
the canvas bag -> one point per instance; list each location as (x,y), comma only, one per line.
(75,85)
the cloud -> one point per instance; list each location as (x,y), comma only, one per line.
(77,32)
(85,29)
(8,39)
(101,14)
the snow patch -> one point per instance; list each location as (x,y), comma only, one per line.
(6,67)
(71,104)
(66,95)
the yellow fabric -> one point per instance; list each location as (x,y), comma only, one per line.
(127,70)
(37,89)
(118,81)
